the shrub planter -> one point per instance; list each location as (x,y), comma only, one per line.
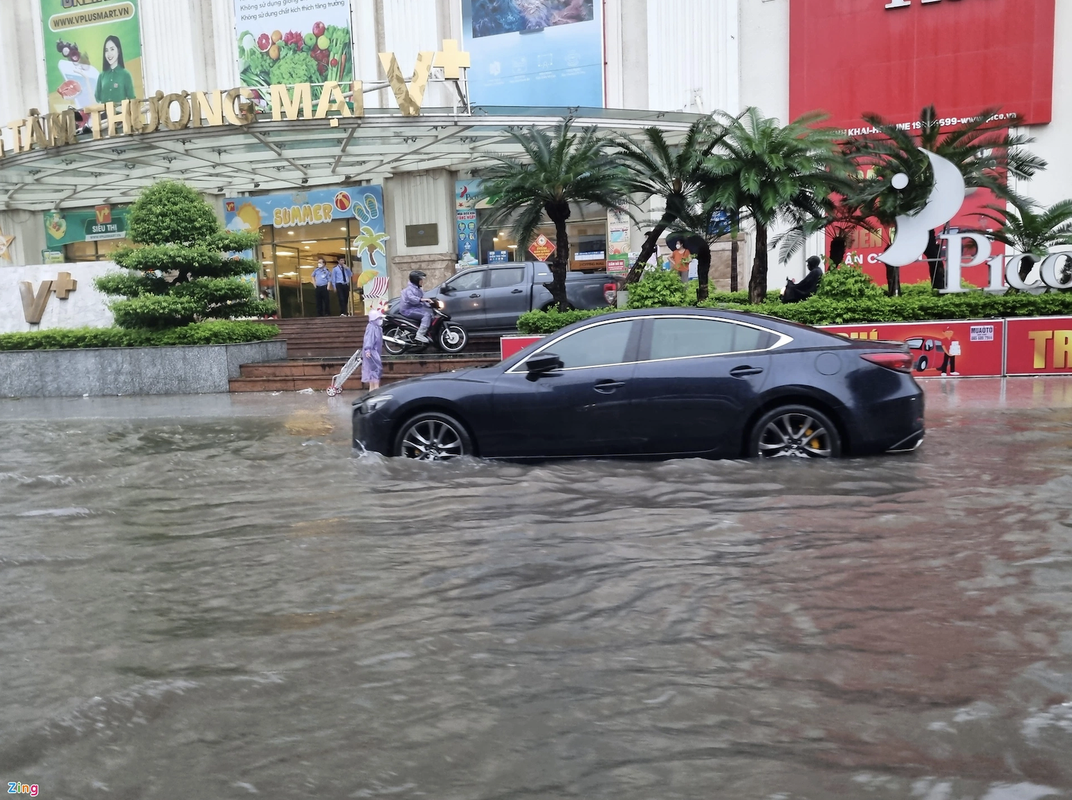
(200,369)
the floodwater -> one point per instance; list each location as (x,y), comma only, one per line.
(214,597)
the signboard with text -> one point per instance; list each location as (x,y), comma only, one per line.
(542,248)
(895,57)
(942,348)
(92,52)
(86,225)
(1039,346)
(534,52)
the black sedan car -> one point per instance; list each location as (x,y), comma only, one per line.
(659,383)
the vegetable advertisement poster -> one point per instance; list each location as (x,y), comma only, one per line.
(92,52)
(293,41)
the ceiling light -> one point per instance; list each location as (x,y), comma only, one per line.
(290,232)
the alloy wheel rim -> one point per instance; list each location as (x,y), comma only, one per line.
(795,436)
(432,440)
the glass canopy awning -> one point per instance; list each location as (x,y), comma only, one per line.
(289,155)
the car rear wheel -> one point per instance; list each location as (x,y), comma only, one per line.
(794,432)
(433,437)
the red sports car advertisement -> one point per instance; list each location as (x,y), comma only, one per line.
(895,57)
(968,348)
(1039,346)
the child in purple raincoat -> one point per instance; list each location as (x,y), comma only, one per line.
(371,363)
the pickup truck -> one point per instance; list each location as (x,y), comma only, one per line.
(488,299)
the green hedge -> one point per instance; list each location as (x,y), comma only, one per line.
(216,332)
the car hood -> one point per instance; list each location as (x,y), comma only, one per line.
(468,374)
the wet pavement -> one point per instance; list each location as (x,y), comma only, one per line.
(213,597)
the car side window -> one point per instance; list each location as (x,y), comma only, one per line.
(676,337)
(598,345)
(468,282)
(501,278)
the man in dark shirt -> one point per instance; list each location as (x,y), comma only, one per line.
(805,288)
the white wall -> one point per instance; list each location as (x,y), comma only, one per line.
(1055,184)
(84,307)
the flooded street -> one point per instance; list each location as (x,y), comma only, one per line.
(214,597)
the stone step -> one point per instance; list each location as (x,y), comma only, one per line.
(297,374)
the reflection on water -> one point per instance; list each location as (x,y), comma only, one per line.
(230,604)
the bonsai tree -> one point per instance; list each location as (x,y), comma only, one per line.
(773,173)
(559,169)
(985,152)
(183,267)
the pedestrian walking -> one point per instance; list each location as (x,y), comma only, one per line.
(372,346)
(321,280)
(341,276)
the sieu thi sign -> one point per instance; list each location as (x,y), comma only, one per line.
(895,57)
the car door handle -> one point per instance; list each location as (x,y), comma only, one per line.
(517,291)
(472,296)
(741,372)
(608,387)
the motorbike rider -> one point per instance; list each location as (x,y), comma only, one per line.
(415,306)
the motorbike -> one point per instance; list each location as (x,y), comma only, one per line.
(400,333)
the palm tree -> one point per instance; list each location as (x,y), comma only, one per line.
(773,173)
(984,153)
(559,169)
(841,220)
(1031,230)
(671,171)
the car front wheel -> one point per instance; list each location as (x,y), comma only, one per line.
(794,432)
(433,437)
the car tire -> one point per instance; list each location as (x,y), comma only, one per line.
(921,365)
(433,436)
(452,338)
(794,431)
(397,332)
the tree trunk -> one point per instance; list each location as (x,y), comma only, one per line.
(893,281)
(651,242)
(934,264)
(838,246)
(734,277)
(703,270)
(757,284)
(559,264)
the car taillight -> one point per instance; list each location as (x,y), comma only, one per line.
(902,362)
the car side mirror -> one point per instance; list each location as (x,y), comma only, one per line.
(446,289)
(541,365)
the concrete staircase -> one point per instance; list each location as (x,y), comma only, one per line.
(339,337)
(294,375)
(322,337)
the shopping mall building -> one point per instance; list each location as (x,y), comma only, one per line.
(358,127)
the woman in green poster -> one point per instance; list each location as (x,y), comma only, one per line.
(114,83)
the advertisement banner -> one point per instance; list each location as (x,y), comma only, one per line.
(534,52)
(299,209)
(465,194)
(940,349)
(92,52)
(1039,346)
(86,225)
(293,41)
(895,57)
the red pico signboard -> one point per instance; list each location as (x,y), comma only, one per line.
(895,57)
(1039,346)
